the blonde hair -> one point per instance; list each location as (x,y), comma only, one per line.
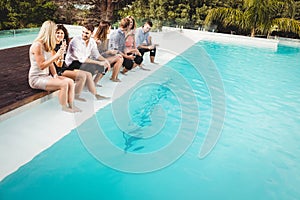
(47,35)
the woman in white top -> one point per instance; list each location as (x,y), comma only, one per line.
(41,63)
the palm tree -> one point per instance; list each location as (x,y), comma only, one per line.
(227,17)
(287,22)
(257,16)
(286,25)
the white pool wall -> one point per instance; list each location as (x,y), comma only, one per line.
(227,38)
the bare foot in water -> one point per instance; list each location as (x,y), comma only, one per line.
(68,109)
(146,69)
(76,109)
(77,97)
(115,80)
(100,97)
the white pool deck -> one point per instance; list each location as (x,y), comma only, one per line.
(31,129)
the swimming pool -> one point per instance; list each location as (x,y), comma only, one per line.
(24,38)
(255,157)
(20,37)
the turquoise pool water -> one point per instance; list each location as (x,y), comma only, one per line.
(14,38)
(20,37)
(256,156)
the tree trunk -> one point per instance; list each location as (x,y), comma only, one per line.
(253,32)
(107,9)
(110,10)
(103,8)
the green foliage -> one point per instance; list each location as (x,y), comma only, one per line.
(257,16)
(241,16)
(17,14)
(297,10)
(287,25)
(175,12)
(200,14)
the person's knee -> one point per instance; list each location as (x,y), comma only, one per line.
(120,59)
(138,60)
(88,75)
(128,64)
(64,84)
(142,51)
(69,82)
(153,52)
(81,76)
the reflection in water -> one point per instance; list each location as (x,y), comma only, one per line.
(129,142)
(150,98)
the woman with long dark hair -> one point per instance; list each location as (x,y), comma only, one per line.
(81,77)
(112,56)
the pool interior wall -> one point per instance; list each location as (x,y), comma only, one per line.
(28,133)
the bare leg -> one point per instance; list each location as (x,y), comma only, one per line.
(117,60)
(90,83)
(97,78)
(152,59)
(71,90)
(80,77)
(61,83)
(116,68)
(91,87)
(63,94)
(134,65)
(80,82)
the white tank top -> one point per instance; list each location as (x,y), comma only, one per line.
(34,68)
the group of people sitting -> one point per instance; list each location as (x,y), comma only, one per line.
(68,65)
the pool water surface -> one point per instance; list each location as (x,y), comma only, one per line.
(256,156)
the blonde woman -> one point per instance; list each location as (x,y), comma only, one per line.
(41,63)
